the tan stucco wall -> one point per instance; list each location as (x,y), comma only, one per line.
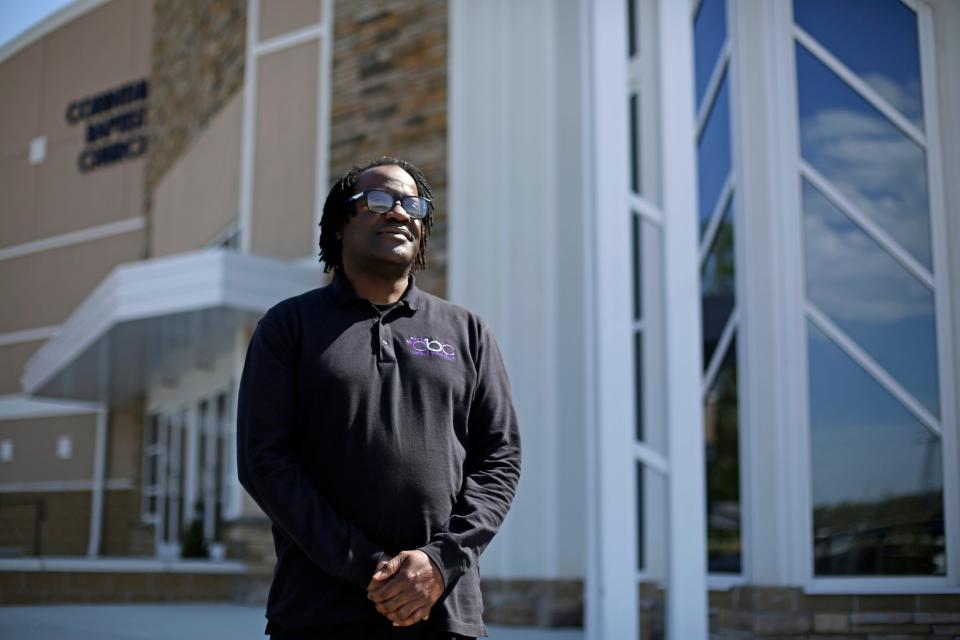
(43,288)
(35,448)
(198,197)
(12,359)
(285,159)
(101,50)
(124,454)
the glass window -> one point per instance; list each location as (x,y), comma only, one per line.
(635,143)
(723,468)
(717,285)
(865,157)
(713,154)
(709,34)
(877,477)
(638,378)
(877,40)
(868,294)
(641,560)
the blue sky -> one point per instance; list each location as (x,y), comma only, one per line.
(16,16)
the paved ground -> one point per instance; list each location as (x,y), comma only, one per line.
(172,622)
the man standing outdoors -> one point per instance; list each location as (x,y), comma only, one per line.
(376,430)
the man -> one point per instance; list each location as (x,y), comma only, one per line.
(375,428)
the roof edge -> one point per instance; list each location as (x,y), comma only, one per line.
(48,25)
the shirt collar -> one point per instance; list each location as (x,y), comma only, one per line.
(344,293)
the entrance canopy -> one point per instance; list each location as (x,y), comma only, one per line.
(148,321)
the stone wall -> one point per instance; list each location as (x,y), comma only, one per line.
(389,97)
(772,612)
(198,61)
(537,603)
(64,528)
(52,587)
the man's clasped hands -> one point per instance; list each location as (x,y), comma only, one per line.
(404,587)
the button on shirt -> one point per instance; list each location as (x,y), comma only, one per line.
(364,432)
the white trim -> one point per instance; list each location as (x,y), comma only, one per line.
(942,300)
(324,100)
(74,237)
(651,459)
(248,136)
(866,91)
(288,40)
(871,228)
(871,366)
(792,406)
(122,565)
(593,590)
(22,407)
(720,352)
(716,216)
(48,25)
(912,4)
(713,85)
(879,585)
(686,610)
(28,335)
(57,486)
(646,209)
(99,482)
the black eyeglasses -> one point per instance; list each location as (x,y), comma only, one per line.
(382,202)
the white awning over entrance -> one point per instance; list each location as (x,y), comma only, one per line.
(155,319)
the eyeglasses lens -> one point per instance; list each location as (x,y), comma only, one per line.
(382,202)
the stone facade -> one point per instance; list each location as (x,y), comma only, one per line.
(782,613)
(64,525)
(389,97)
(53,587)
(539,603)
(197,65)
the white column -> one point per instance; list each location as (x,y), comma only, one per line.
(99,481)
(686,562)
(612,605)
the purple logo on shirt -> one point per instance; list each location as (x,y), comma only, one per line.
(424,346)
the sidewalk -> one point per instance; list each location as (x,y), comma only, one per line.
(174,622)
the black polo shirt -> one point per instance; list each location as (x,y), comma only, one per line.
(362,432)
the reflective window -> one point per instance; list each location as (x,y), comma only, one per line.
(713,154)
(723,468)
(867,158)
(709,33)
(635,143)
(717,286)
(869,295)
(638,377)
(641,560)
(882,49)
(877,478)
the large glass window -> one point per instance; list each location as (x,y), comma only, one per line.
(874,385)
(716,216)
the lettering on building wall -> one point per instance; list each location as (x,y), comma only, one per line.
(114,123)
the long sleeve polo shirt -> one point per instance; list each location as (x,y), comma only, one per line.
(364,433)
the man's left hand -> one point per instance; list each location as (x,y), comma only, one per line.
(404,587)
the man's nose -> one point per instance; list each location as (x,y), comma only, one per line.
(396,211)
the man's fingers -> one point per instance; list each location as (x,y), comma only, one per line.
(416,614)
(388,568)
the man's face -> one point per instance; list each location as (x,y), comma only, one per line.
(372,240)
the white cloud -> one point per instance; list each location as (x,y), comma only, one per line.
(877,167)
